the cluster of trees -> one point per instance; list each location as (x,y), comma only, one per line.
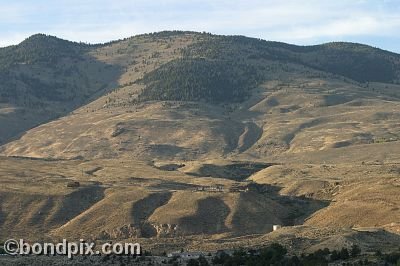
(358,62)
(389,258)
(355,61)
(24,85)
(276,254)
(43,70)
(199,79)
(226,68)
(40,48)
(213,69)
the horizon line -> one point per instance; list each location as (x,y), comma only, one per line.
(196,32)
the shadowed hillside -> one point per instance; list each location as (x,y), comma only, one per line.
(198,141)
(44,77)
(237,82)
(356,61)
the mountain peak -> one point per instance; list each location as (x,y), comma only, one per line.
(40,37)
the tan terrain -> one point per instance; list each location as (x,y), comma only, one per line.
(315,152)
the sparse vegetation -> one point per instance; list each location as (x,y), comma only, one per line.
(196,141)
(276,254)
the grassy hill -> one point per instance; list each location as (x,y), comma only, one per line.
(151,126)
(43,78)
(227,68)
(253,97)
(356,61)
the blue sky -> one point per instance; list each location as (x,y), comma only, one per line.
(374,22)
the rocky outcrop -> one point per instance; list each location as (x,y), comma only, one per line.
(147,230)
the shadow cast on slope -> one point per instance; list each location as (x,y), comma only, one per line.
(51,84)
(238,171)
(262,207)
(144,208)
(209,218)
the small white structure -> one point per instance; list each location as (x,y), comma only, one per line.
(276,227)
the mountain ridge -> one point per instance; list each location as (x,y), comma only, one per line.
(202,142)
(50,77)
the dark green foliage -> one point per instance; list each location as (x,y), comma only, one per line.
(319,257)
(22,67)
(44,72)
(356,61)
(226,68)
(344,254)
(40,48)
(214,68)
(203,261)
(393,258)
(335,255)
(355,251)
(200,79)
(274,254)
(168,33)
(192,262)
(220,258)
(359,62)
(294,261)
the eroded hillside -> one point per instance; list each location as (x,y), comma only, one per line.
(182,139)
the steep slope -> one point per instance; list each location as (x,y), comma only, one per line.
(309,116)
(175,145)
(43,78)
(151,131)
(361,195)
(358,62)
(200,80)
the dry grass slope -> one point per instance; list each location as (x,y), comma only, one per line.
(311,150)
